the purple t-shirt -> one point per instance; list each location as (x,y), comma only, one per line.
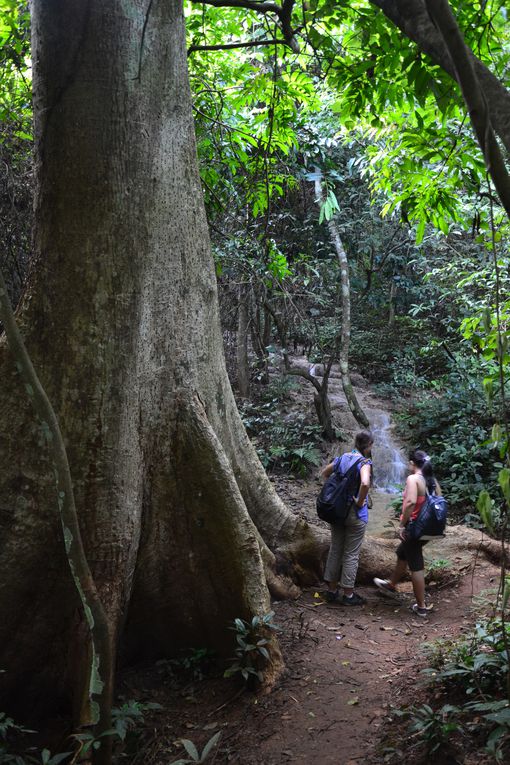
(342,465)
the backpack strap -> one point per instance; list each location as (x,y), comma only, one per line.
(351,467)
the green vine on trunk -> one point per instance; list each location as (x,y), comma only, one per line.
(99,671)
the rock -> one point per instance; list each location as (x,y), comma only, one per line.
(358,380)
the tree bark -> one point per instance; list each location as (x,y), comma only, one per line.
(323,410)
(412,18)
(474,97)
(320,396)
(391,310)
(243,371)
(345,337)
(180,524)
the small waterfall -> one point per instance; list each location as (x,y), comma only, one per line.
(390,466)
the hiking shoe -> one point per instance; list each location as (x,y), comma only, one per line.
(354,600)
(330,596)
(423,612)
(386,587)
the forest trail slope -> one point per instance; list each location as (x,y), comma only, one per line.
(345,667)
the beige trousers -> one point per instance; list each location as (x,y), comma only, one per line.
(343,557)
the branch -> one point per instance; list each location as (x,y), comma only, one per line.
(229,46)
(289,370)
(412,18)
(441,13)
(250,5)
(283,12)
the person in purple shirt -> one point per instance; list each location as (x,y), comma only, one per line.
(346,540)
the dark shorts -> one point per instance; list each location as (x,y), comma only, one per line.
(411,551)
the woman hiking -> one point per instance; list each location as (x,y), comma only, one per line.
(343,557)
(419,484)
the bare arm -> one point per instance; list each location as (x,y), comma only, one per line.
(326,472)
(410,500)
(364,485)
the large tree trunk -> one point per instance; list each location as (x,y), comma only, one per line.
(121,319)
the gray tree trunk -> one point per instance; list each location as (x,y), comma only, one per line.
(345,337)
(243,370)
(120,316)
(391,309)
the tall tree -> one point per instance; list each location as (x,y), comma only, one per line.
(120,316)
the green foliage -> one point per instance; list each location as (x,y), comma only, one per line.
(194,755)
(434,727)
(13,750)
(282,444)
(251,653)
(453,423)
(475,666)
(130,715)
(195,661)
(10,730)
(15,68)
(437,565)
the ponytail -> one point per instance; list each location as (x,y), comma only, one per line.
(422,460)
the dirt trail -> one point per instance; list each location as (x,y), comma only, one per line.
(349,666)
(345,666)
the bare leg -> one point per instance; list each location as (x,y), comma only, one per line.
(398,572)
(418,580)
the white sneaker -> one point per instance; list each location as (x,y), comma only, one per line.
(423,612)
(386,587)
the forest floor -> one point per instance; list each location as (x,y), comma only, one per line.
(346,668)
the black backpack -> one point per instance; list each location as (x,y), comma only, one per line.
(335,499)
(431,520)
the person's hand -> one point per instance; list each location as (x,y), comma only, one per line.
(402,534)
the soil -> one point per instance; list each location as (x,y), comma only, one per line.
(346,667)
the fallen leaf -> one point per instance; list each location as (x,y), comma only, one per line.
(353,701)
(210,726)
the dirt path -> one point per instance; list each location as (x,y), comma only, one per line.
(345,667)
(345,671)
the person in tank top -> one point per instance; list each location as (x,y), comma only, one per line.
(419,484)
